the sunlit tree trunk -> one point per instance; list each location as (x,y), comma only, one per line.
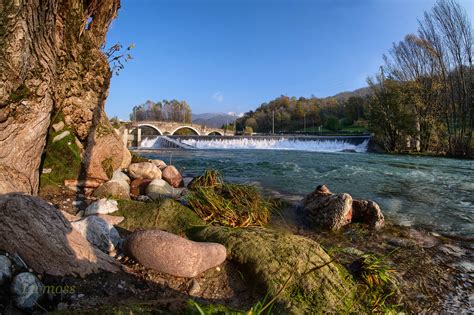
(50,60)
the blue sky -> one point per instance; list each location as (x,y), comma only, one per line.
(233,55)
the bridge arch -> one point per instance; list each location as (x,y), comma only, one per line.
(151,126)
(215,133)
(186,127)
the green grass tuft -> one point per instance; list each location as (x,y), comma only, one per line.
(378,278)
(233,205)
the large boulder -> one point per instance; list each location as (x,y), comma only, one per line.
(113,189)
(172,254)
(172,176)
(127,158)
(144,170)
(368,212)
(327,210)
(98,232)
(139,185)
(45,240)
(293,269)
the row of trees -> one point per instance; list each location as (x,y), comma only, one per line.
(290,114)
(178,111)
(423,94)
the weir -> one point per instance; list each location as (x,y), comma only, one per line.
(164,142)
(297,143)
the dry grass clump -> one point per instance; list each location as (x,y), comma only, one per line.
(233,205)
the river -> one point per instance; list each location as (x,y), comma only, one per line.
(434,193)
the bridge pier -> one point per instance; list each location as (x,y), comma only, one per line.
(139,136)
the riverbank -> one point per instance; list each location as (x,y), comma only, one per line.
(424,271)
(433,273)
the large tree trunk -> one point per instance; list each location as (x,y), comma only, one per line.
(50,60)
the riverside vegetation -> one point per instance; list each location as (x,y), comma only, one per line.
(421,101)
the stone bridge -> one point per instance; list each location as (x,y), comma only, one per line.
(138,130)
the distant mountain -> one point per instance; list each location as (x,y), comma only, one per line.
(214,120)
(344,96)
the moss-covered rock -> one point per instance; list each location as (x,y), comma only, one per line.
(63,157)
(166,214)
(311,282)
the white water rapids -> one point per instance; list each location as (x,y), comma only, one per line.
(323,145)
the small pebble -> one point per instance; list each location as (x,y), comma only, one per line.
(62,306)
(195,288)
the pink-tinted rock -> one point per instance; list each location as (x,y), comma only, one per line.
(327,210)
(161,164)
(172,254)
(368,212)
(139,185)
(146,170)
(172,176)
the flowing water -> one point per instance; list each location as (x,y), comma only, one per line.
(437,193)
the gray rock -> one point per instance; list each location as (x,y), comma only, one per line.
(368,212)
(102,206)
(423,239)
(5,269)
(327,210)
(27,290)
(61,136)
(98,232)
(58,126)
(118,175)
(115,189)
(125,185)
(144,198)
(452,250)
(159,188)
(174,255)
(145,170)
(62,306)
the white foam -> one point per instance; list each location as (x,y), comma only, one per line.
(268,144)
(150,143)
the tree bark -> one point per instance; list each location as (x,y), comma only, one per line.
(50,61)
